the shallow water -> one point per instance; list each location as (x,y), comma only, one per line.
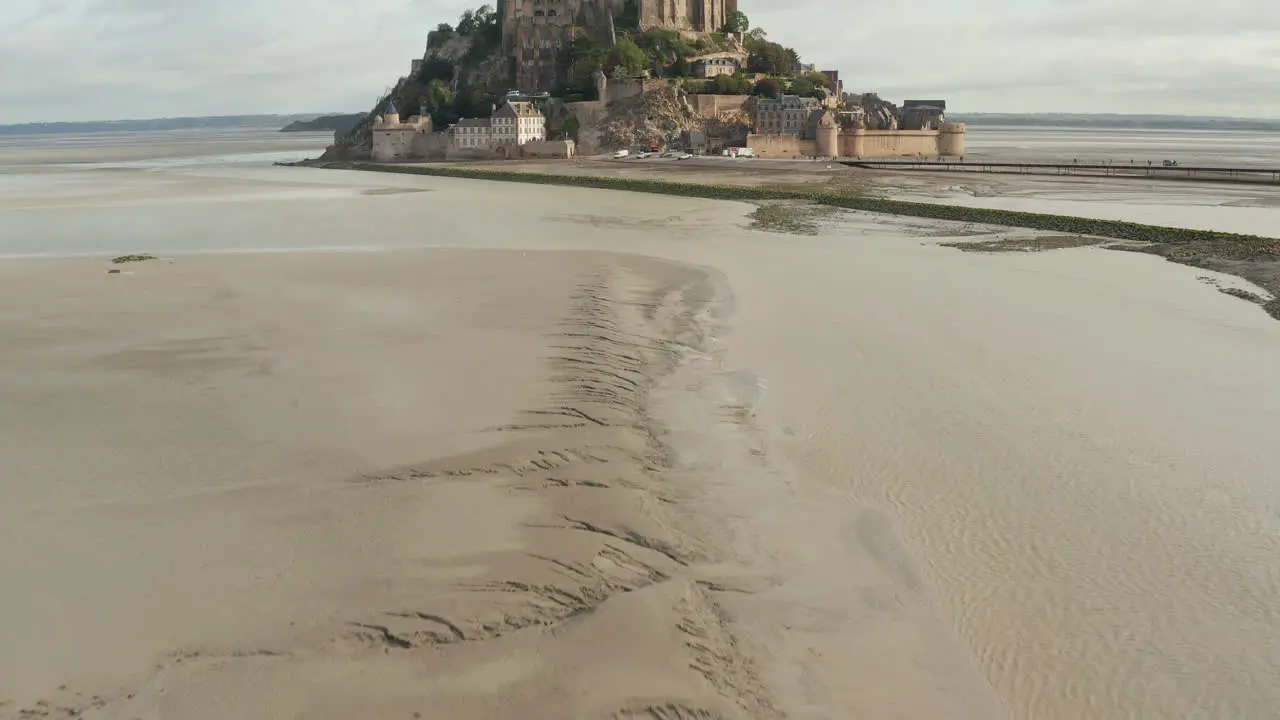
(1076,447)
(1230,148)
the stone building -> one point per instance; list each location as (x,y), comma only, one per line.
(535,32)
(513,125)
(516,129)
(695,15)
(793,127)
(518,123)
(471,134)
(394,140)
(837,84)
(786,115)
(713,66)
(923,114)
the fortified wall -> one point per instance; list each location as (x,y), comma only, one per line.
(860,143)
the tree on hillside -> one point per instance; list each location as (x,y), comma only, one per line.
(820,80)
(664,46)
(435,68)
(770,58)
(571,127)
(467,23)
(767,87)
(735,84)
(804,87)
(439,95)
(755,35)
(582,56)
(628,58)
(444,28)
(680,68)
(737,22)
(482,20)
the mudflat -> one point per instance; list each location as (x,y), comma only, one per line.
(352,485)
(600,454)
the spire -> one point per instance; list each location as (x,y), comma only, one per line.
(391,108)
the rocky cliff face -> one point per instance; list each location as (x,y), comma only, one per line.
(654,117)
(473,67)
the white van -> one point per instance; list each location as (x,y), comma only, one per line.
(622,153)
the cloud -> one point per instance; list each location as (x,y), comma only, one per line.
(1138,56)
(99,59)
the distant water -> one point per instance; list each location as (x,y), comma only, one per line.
(56,152)
(1240,208)
(1235,148)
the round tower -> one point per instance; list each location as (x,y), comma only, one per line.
(391,116)
(828,136)
(951,139)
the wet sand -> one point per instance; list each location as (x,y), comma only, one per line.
(608,455)
(299,486)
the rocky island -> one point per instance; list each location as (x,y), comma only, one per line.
(339,124)
(598,75)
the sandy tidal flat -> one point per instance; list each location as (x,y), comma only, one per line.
(609,455)
(229,495)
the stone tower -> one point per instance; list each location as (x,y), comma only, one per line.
(828,135)
(536,31)
(695,15)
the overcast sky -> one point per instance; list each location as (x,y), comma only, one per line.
(109,59)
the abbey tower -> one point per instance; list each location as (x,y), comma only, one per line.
(535,31)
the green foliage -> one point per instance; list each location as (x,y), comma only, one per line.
(571,127)
(444,28)
(663,47)
(735,84)
(680,68)
(628,58)
(438,95)
(435,68)
(754,35)
(770,58)
(479,21)
(582,56)
(767,87)
(820,80)
(804,88)
(737,22)
(484,28)
(474,102)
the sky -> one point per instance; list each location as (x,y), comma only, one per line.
(66,60)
